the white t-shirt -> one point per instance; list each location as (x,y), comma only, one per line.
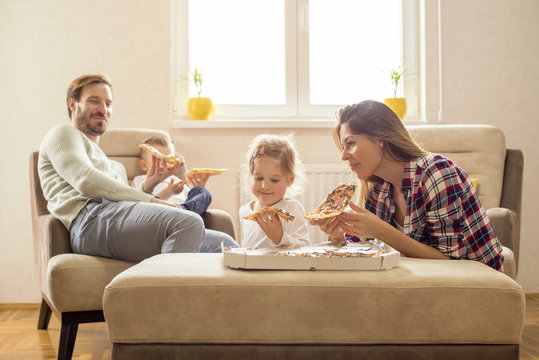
(177,198)
(295,233)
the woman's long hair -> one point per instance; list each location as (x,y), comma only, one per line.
(379,122)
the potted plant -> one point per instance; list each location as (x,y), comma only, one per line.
(397,104)
(198,108)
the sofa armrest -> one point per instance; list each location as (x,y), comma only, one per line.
(507,227)
(512,181)
(219,220)
(50,238)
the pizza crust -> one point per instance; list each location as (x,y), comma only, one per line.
(283,214)
(206,171)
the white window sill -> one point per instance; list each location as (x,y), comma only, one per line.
(262,123)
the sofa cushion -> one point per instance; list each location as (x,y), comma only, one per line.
(194,298)
(478,149)
(76,282)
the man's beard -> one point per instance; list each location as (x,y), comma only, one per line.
(83,121)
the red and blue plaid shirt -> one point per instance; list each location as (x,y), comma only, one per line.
(443,210)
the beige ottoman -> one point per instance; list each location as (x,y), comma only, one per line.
(176,306)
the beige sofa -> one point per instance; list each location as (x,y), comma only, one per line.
(481,151)
(174,306)
(72,284)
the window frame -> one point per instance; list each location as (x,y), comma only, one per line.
(297,67)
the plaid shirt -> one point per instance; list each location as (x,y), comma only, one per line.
(443,210)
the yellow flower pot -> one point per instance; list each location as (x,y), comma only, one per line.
(200,108)
(398,105)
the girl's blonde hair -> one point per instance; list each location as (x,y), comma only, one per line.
(282,148)
(379,122)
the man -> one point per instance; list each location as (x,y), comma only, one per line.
(90,195)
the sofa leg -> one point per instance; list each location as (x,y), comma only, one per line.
(70,326)
(67,340)
(44,315)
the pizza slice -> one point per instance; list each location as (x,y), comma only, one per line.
(206,171)
(171,159)
(335,202)
(283,214)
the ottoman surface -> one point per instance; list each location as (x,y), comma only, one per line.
(194,298)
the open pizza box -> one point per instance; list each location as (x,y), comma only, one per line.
(361,256)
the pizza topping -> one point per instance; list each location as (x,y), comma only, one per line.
(330,253)
(285,215)
(335,202)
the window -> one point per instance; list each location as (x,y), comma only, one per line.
(295,58)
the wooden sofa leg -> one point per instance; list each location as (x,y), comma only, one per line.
(68,335)
(70,326)
(44,315)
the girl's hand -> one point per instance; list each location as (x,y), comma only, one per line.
(270,223)
(159,170)
(197,179)
(173,188)
(363,223)
(332,227)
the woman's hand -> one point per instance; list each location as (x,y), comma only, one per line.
(362,223)
(159,170)
(332,227)
(270,223)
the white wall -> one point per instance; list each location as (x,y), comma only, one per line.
(489,76)
(44,44)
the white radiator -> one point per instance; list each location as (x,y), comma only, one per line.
(321,179)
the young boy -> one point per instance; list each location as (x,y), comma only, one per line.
(195,198)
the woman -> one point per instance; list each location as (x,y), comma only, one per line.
(421,204)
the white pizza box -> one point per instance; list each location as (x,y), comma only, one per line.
(280,259)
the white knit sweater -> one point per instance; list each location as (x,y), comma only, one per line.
(73,169)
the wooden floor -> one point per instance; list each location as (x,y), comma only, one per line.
(19,338)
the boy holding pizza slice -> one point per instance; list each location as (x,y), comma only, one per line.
(194,196)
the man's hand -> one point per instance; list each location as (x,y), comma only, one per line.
(164,202)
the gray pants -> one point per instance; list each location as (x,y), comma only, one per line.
(134,231)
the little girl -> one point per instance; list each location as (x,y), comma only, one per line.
(274,166)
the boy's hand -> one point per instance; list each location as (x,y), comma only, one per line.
(159,170)
(173,188)
(197,179)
